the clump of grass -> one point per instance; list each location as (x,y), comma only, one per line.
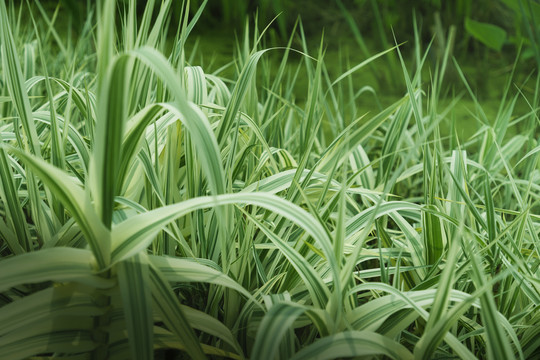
(147,205)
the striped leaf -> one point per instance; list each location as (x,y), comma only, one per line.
(352,344)
(133,279)
(57,264)
(76,200)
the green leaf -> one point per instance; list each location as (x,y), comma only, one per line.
(191,116)
(353,344)
(429,341)
(433,237)
(15,84)
(313,281)
(239,92)
(133,278)
(190,270)
(168,307)
(56,264)
(61,300)
(137,232)
(530,7)
(202,321)
(374,313)
(497,340)
(24,345)
(112,113)
(488,34)
(20,240)
(167,340)
(68,190)
(274,325)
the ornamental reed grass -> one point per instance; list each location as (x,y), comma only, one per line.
(148,205)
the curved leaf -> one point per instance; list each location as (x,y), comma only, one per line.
(273,326)
(353,343)
(56,264)
(136,233)
(488,34)
(68,190)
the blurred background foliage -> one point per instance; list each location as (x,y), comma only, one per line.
(487,35)
(518,19)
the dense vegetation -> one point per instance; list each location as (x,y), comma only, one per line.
(150,208)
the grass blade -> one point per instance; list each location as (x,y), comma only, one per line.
(353,344)
(133,278)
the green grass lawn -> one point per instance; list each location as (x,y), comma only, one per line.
(306,202)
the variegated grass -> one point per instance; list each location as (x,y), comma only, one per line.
(149,205)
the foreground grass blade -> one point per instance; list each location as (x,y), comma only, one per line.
(428,343)
(70,340)
(112,108)
(498,344)
(57,264)
(273,326)
(189,270)
(61,300)
(133,278)
(136,233)
(76,200)
(206,323)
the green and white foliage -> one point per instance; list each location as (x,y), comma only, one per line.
(147,204)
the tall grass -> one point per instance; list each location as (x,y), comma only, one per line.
(148,205)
